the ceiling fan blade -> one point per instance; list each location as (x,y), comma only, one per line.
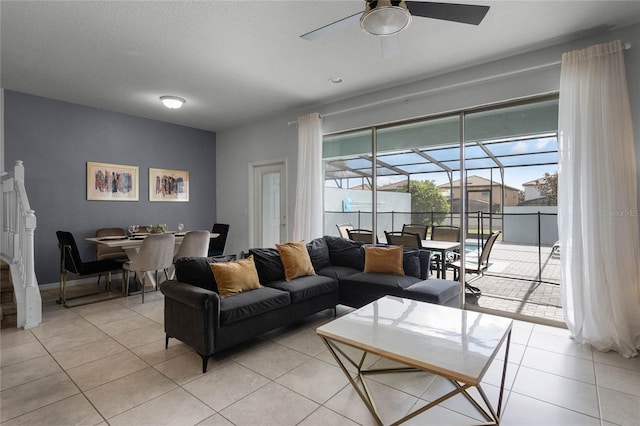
(329,28)
(390,46)
(463,13)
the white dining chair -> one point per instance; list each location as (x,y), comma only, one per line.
(156,254)
(194,244)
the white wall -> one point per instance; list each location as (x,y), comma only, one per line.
(493,82)
(531,192)
(268,140)
(520,225)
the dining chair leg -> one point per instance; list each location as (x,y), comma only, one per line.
(142,281)
(125,283)
(63,287)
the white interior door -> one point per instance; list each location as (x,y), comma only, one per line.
(269,204)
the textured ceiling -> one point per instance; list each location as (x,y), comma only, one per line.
(237,61)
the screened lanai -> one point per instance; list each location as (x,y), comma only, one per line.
(500,143)
(495,139)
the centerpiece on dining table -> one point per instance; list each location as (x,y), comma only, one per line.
(160,228)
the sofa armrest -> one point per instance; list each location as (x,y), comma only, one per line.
(191,315)
(191,295)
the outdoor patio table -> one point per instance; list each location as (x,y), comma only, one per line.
(441,247)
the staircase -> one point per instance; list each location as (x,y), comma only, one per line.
(8,308)
(17,250)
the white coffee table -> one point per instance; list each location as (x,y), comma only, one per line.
(452,343)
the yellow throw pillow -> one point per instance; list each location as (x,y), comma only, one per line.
(295,259)
(236,276)
(383,260)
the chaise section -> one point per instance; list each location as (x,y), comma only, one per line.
(438,291)
(364,287)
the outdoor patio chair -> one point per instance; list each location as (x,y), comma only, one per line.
(416,228)
(364,235)
(405,239)
(343,228)
(476,265)
(444,233)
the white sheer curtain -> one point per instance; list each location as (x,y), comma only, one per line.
(597,201)
(307,218)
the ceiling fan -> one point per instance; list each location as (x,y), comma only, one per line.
(386,18)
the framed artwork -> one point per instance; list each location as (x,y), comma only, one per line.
(112,182)
(168,185)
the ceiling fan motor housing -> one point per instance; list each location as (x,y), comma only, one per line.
(385,17)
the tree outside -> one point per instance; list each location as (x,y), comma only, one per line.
(549,188)
(426,197)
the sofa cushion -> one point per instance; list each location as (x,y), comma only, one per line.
(295,259)
(343,252)
(383,260)
(235,276)
(378,284)
(319,253)
(435,291)
(268,264)
(303,288)
(337,272)
(197,271)
(411,262)
(425,263)
(250,303)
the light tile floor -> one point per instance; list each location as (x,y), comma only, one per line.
(105,363)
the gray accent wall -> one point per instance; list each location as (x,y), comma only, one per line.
(55,140)
(523,75)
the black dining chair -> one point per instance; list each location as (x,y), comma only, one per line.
(70,261)
(216,245)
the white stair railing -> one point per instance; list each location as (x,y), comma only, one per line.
(18,227)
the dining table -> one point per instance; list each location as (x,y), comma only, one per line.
(131,244)
(441,247)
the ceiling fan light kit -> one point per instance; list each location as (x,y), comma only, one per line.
(385,17)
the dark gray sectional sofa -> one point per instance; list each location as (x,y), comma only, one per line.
(196,315)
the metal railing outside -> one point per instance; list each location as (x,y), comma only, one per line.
(523,251)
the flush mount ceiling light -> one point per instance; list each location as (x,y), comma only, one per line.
(336,80)
(172,102)
(385,17)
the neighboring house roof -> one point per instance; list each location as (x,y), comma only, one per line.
(475,181)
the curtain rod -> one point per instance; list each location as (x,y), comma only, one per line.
(406,97)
